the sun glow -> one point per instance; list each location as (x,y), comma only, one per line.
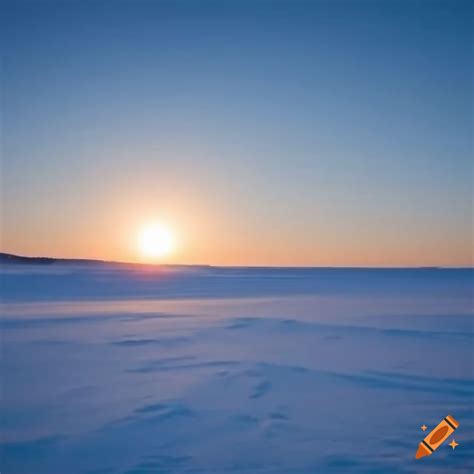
(155,241)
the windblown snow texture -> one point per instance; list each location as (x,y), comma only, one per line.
(116,369)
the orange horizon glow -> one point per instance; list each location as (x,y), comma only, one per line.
(205,234)
(219,255)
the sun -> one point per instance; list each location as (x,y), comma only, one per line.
(155,241)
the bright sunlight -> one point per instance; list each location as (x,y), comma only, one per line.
(155,241)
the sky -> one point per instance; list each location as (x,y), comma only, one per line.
(260,132)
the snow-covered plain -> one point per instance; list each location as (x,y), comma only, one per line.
(128,369)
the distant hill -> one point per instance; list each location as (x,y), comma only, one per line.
(8,258)
(11,259)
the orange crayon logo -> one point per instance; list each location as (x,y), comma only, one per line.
(437,437)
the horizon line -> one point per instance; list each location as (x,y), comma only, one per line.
(25,258)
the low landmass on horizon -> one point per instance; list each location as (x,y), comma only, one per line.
(7,258)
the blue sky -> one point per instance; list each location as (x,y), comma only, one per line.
(298,133)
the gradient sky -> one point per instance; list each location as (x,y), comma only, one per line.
(263,133)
